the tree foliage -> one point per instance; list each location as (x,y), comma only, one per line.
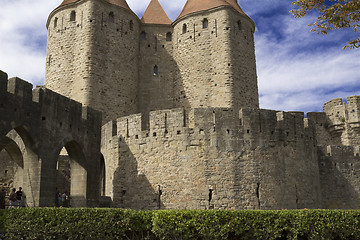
(333,14)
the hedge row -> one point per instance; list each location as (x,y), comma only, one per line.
(55,223)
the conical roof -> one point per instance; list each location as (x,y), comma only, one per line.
(155,14)
(120,3)
(193,6)
(235,5)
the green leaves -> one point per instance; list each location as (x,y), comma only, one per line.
(333,14)
(56,223)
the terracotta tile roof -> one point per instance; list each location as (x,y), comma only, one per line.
(236,6)
(155,14)
(120,3)
(193,6)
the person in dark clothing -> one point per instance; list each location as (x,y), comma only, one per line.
(2,199)
(19,195)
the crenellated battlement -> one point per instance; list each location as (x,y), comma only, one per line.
(19,98)
(248,126)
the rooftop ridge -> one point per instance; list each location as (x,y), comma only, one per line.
(193,6)
(120,3)
(155,14)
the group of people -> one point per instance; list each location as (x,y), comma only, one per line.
(61,199)
(16,198)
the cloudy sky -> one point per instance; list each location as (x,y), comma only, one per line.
(297,70)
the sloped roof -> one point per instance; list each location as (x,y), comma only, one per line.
(193,6)
(155,14)
(236,6)
(120,3)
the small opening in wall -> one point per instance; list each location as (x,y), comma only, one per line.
(91,20)
(210,195)
(60,124)
(136,136)
(240,121)
(168,37)
(205,23)
(287,133)
(154,134)
(201,131)
(190,37)
(248,131)
(156,70)
(73,16)
(353,110)
(117,29)
(184,29)
(178,132)
(147,134)
(43,118)
(335,164)
(239,25)
(323,164)
(143,35)
(228,131)
(55,22)
(6,171)
(227,28)
(272,132)
(163,46)
(357,155)
(166,131)
(131,25)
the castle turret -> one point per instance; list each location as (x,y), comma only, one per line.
(214,50)
(92,55)
(156,71)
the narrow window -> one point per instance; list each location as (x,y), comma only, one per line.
(239,25)
(184,28)
(131,25)
(55,22)
(205,23)
(142,35)
(73,16)
(168,37)
(156,70)
(111,17)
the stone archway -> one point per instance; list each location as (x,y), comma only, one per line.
(71,168)
(18,164)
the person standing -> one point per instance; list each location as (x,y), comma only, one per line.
(63,199)
(2,198)
(12,198)
(19,195)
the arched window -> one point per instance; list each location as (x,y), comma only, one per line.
(239,25)
(143,35)
(73,16)
(55,22)
(205,23)
(156,70)
(168,37)
(131,25)
(184,28)
(111,17)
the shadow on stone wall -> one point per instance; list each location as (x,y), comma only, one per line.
(338,178)
(131,188)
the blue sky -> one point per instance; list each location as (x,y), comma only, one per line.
(297,70)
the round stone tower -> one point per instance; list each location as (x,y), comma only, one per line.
(92,55)
(214,49)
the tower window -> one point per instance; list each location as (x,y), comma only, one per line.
(131,25)
(73,16)
(111,17)
(205,23)
(184,28)
(156,70)
(168,37)
(55,22)
(142,35)
(239,25)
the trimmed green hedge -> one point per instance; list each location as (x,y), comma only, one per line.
(58,223)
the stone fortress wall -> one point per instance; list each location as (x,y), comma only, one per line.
(212,158)
(182,126)
(35,125)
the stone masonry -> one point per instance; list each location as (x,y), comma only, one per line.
(181,126)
